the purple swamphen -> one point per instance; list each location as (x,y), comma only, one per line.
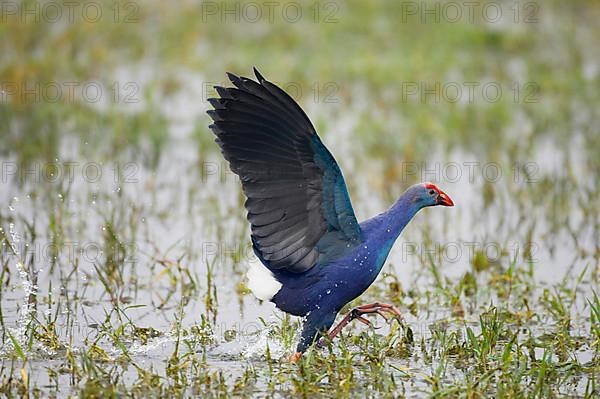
(316,255)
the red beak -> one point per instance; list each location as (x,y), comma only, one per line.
(444,199)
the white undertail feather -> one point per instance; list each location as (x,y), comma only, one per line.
(261,282)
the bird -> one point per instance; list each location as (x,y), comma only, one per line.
(315,257)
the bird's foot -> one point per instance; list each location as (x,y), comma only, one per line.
(382,309)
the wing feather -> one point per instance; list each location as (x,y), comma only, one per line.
(297,201)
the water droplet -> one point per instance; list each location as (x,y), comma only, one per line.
(328,292)
(11,206)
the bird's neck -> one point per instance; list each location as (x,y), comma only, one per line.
(398,216)
(382,231)
(391,223)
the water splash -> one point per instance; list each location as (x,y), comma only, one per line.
(27,310)
(266,338)
(153,344)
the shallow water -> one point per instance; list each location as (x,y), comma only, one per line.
(189,208)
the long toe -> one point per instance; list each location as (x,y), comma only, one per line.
(393,311)
(381,313)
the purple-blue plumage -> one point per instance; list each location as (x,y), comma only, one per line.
(303,226)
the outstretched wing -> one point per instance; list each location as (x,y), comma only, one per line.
(297,201)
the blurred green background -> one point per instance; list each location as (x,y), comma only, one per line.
(367,49)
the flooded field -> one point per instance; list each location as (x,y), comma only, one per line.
(124,240)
